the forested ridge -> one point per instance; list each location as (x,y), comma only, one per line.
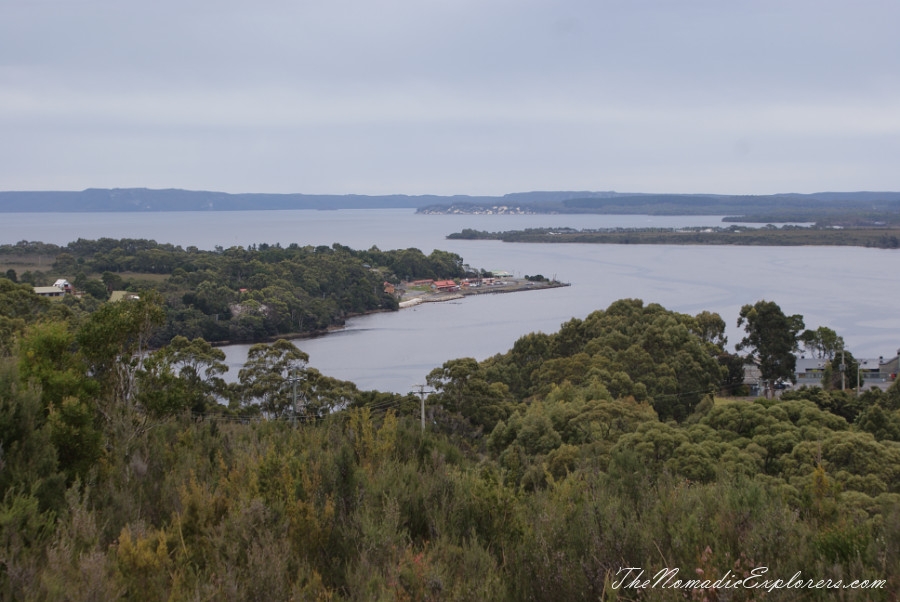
(174,199)
(787,236)
(825,208)
(850,209)
(137,474)
(236,294)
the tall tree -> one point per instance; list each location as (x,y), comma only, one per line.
(710,327)
(184,374)
(48,359)
(822,342)
(268,371)
(114,341)
(771,340)
(463,386)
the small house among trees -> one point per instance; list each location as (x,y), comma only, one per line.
(49,291)
(60,287)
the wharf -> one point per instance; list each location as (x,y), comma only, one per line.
(413,297)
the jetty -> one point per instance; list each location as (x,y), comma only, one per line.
(412,294)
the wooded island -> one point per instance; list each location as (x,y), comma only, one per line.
(882,238)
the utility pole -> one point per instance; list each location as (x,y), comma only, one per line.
(420,389)
(843,372)
(857,378)
(294,380)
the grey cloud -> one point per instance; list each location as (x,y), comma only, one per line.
(450,96)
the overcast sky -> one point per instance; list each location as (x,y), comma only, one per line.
(450,96)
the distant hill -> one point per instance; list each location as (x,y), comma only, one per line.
(824,208)
(145,199)
(174,199)
(868,207)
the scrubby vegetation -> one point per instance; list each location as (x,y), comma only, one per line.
(135,475)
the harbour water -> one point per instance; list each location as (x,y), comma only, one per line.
(854,291)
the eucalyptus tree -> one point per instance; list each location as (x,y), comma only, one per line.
(114,341)
(269,370)
(183,374)
(771,340)
(823,342)
(463,385)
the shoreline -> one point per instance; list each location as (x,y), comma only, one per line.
(512,286)
(407,300)
(787,236)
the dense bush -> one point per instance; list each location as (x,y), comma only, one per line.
(543,474)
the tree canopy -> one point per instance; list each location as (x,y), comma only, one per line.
(822,342)
(646,352)
(137,474)
(237,294)
(771,339)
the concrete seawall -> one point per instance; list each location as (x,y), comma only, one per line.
(512,287)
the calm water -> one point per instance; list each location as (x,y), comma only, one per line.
(855,291)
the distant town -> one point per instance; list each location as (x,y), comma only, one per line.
(479,210)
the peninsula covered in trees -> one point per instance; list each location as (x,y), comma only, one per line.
(255,293)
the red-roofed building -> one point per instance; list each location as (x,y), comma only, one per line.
(445,285)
